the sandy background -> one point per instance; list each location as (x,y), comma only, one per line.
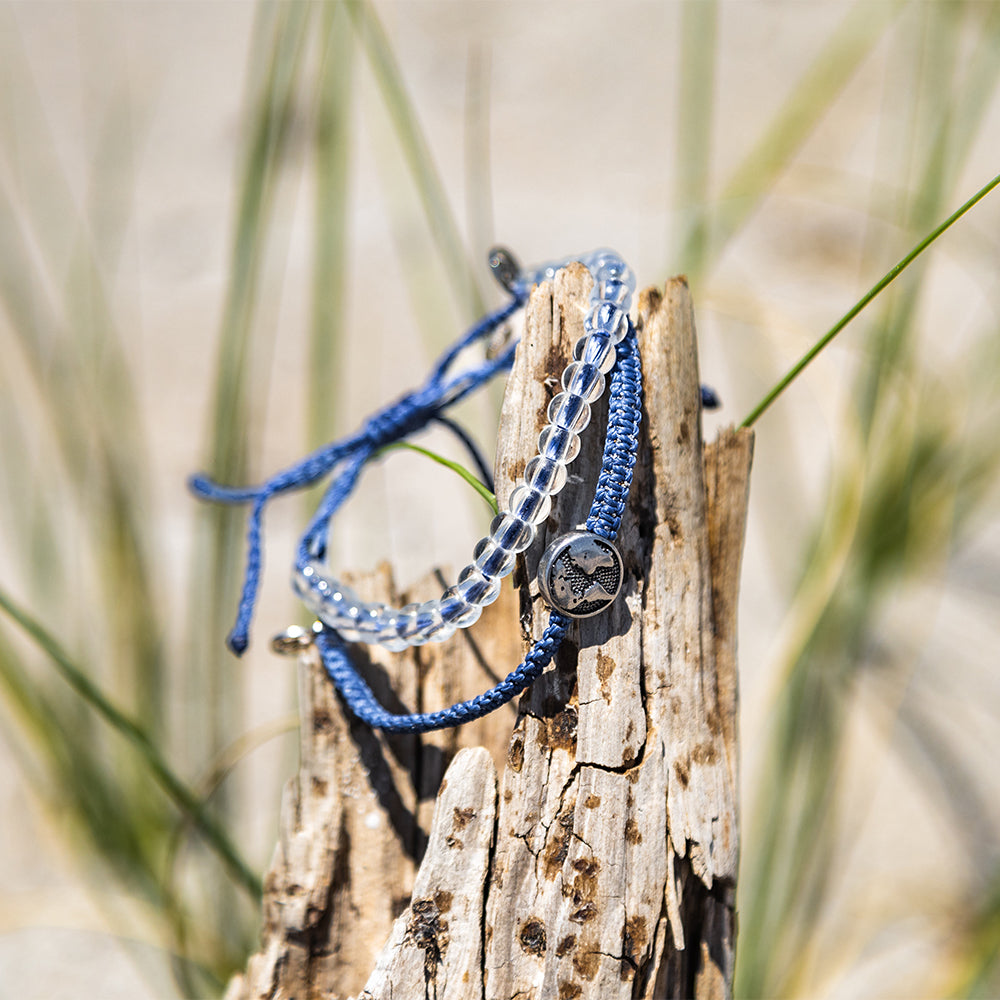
(583,118)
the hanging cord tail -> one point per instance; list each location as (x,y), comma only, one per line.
(406,416)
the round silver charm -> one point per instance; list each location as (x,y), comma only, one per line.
(580,574)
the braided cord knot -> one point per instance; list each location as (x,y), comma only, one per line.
(406,416)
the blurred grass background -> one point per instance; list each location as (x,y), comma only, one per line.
(226,231)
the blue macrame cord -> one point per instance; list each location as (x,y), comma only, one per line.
(606,511)
(411,413)
(407,415)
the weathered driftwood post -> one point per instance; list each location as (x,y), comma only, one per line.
(604,864)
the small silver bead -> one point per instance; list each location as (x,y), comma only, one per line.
(293,640)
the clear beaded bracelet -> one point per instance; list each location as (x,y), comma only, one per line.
(512,531)
(580,573)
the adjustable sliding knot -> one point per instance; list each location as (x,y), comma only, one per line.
(408,415)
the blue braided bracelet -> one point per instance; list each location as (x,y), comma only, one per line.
(605,517)
(579,574)
(511,532)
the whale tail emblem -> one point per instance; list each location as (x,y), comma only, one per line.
(570,599)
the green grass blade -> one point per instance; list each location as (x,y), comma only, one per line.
(949,106)
(187,960)
(695,115)
(477,149)
(330,267)
(455,467)
(130,730)
(919,482)
(216,685)
(273,79)
(978,976)
(416,151)
(271,116)
(828,74)
(879,286)
(117,820)
(93,416)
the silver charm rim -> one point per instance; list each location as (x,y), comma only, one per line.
(553,552)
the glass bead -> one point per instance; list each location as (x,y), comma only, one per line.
(456,610)
(477,588)
(511,532)
(347,614)
(428,615)
(558,443)
(545,474)
(406,615)
(569,411)
(431,623)
(611,275)
(388,634)
(369,622)
(596,349)
(444,633)
(604,261)
(531,505)
(334,617)
(342,598)
(618,293)
(608,318)
(352,609)
(386,618)
(406,624)
(493,560)
(393,643)
(608,265)
(470,616)
(451,605)
(583,380)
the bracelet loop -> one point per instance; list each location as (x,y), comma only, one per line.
(513,530)
(581,573)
